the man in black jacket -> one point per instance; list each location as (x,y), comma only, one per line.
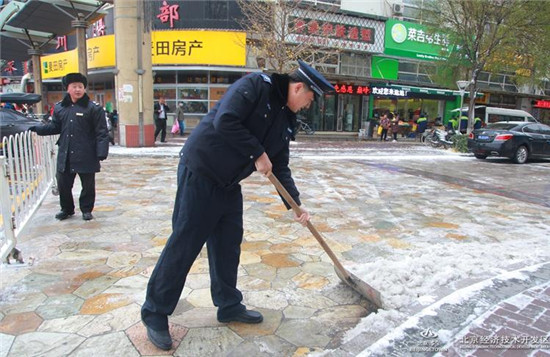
(83,142)
(160,115)
(248,130)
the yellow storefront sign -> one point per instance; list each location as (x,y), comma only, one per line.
(59,64)
(199,47)
(101,51)
(222,48)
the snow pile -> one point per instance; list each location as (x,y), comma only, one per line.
(413,275)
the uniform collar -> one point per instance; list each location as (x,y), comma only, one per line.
(83,102)
(280,89)
(280,86)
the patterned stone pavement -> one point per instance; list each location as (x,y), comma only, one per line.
(82,294)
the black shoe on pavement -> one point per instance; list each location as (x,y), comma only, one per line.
(87,216)
(61,215)
(161,339)
(245,316)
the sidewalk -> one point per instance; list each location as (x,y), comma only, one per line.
(82,295)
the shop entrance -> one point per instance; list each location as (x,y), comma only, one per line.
(349,113)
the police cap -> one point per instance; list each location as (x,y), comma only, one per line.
(313,79)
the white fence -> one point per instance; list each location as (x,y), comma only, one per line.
(27,173)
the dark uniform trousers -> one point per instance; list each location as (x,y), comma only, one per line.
(160,127)
(65,182)
(203,213)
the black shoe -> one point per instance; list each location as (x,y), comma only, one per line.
(61,215)
(161,339)
(87,216)
(246,316)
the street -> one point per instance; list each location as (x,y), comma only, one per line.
(414,222)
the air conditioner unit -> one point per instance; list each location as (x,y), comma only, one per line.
(397,9)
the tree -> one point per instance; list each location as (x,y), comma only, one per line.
(273,27)
(493,35)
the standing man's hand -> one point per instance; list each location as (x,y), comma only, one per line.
(264,165)
(303,218)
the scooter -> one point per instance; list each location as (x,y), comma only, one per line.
(437,138)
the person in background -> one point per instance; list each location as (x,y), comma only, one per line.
(477,123)
(421,124)
(113,117)
(385,124)
(180,117)
(463,122)
(394,125)
(161,115)
(248,130)
(452,125)
(83,143)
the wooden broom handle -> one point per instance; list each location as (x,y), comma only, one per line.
(310,226)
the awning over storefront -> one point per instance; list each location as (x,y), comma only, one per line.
(55,16)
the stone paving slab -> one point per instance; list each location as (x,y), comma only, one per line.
(88,279)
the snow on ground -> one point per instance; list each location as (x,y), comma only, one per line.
(413,276)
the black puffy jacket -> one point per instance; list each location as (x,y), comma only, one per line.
(250,119)
(83,139)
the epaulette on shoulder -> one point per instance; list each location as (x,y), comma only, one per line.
(96,103)
(266,78)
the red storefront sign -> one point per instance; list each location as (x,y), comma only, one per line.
(312,27)
(542,104)
(169,13)
(351,89)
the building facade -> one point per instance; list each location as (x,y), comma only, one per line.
(383,59)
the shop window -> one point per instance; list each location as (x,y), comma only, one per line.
(224,77)
(165,77)
(186,77)
(193,93)
(354,64)
(167,93)
(195,107)
(483,77)
(409,67)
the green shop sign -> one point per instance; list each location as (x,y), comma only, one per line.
(411,40)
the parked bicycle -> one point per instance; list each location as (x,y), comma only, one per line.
(303,126)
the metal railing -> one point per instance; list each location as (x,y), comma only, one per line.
(27,173)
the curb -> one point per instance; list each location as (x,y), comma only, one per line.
(444,320)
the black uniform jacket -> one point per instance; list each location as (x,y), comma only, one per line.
(250,119)
(83,139)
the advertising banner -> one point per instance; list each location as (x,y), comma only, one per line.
(411,40)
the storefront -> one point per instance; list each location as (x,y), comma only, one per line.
(410,102)
(198,89)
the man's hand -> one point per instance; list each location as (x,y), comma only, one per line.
(264,165)
(303,218)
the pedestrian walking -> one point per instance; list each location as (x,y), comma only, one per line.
(83,143)
(248,130)
(394,126)
(385,124)
(180,117)
(160,115)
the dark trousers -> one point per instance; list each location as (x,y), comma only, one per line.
(203,213)
(160,127)
(384,134)
(65,182)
